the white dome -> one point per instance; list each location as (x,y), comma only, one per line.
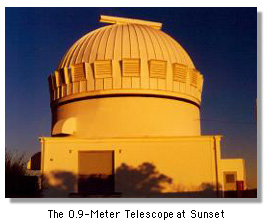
(119,41)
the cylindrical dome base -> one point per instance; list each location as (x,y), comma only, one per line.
(130,116)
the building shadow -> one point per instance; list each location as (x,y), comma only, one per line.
(146,181)
(58,184)
(96,184)
(143,180)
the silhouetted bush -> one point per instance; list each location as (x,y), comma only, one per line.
(17,182)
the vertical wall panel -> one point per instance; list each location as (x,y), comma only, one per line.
(89,77)
(98,84)
(154,83)
(69,89)
(117,83)
(169,77)
(126,82)
(144,78)
(108,83)
(176,86)
(135,82)
(161,84)
(63,91)
(82,86)
(182,87)
(75,86)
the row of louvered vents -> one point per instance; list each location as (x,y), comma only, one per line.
(130,68)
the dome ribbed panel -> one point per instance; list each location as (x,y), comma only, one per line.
(110,44)
(87,50)
(120,41)
(125,42)
(149,46)
(76,52)
(141,43)
(183,57)
(134,45)
(180,56)
(169,47)
(69,53)
(81,52)
(103,44)
(164,46)
(155,45)
(118,44)
(95,46)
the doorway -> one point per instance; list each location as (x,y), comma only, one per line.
(96,172)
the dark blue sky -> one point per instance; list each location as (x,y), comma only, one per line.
(222,42)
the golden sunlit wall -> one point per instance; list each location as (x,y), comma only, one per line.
(129,117)
(188,161)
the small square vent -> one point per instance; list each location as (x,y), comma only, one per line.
(180,72)
(158,68)
(103,68)
(131,67)
(194,78)
(78,72)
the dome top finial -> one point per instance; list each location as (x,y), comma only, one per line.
(121,20)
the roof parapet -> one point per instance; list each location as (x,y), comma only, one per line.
(121,20)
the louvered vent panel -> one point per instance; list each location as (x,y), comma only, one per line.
(180,72)
(103,68)
(158,68)
(62,76)
(68,75)
(78,73)
(131,67)
(194,78)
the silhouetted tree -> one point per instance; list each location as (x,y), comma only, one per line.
(17,183)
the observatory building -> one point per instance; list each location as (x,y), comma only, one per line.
(125,103)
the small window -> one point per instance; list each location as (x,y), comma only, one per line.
(78,72)
(158,68)
(230,178)
(180,72)
(103,68)
(131,67)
